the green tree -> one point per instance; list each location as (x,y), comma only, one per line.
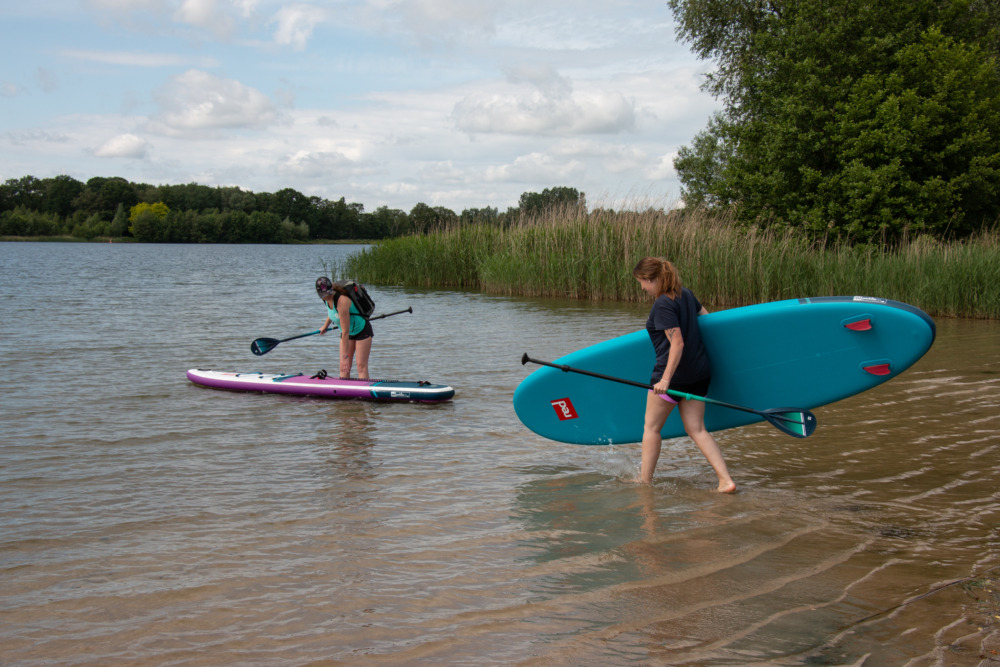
(147,227)
(264,227)
(235,199)
(159,209)
(119,224)
(60,194)
(385,222)
(426,219)
(22,221)
(335,219)
(26,191)
(291,204)
(534,203)
(848,118)
(487,216)
(114,191)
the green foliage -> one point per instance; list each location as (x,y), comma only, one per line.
(424,218)
(539,203)
(22,221)
(591,257)
(60,193)
(119,224)
(159,210)
(869,122)
(193,213)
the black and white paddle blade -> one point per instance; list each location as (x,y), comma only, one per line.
(796,422)
(262,346)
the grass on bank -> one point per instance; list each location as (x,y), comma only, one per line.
(591,255)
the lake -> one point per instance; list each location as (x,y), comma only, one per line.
(145,520)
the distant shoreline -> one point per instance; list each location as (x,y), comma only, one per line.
(128,239)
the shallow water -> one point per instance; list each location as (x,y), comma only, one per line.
(144,520)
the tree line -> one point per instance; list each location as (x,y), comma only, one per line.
(863,121)
(194,213)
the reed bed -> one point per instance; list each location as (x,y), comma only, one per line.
(582,255)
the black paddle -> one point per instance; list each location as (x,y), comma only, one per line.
(795,422)
(264,345)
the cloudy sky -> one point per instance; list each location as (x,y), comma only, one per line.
(456,103)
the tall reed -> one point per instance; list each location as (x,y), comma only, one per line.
(572,253)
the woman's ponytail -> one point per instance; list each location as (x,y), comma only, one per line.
(661,271)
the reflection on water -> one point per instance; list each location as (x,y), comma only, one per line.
(349,440)
(824,556)
(144,520)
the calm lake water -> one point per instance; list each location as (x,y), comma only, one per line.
(144,520)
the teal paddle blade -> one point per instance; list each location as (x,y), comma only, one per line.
(796,422)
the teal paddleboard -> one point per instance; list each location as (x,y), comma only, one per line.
(798,353)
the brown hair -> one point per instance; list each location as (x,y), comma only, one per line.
(662,271)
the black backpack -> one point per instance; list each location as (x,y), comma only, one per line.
(359,296)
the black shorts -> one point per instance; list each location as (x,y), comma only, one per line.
(699,388)
(367,332)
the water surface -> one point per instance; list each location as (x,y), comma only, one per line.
(144,520)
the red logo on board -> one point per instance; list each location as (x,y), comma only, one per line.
(564,409)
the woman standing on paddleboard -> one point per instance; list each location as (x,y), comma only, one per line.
(682,364)
(355,331)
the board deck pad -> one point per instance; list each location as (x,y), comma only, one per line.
(801,353)
(326,387)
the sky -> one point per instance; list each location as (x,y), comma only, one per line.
(454,103)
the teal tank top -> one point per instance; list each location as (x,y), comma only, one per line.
(357,322)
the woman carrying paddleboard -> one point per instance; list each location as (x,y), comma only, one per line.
(682,364)
(356,332)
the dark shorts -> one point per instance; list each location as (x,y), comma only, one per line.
(367,332)
(699,388)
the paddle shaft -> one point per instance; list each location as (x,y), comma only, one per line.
(677,394)
(262,346)
(377,317)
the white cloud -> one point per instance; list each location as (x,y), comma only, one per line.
(207,14)
(124,145)
(614,158)
(663,168)
(536,168)
(196,101)
(296,24)
(140,58)
(434,21)
(538,100)
(545,112)
(318,164)
(331,97)
(121,6)
(29,137)
(8,89)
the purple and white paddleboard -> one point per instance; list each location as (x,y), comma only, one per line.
(325,387)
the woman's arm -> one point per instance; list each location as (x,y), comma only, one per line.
(673,359)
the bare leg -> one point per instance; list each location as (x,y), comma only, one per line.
(693,416)
(657,411)
(363,349)
(346,357)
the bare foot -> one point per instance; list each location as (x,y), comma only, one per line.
(729,487)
